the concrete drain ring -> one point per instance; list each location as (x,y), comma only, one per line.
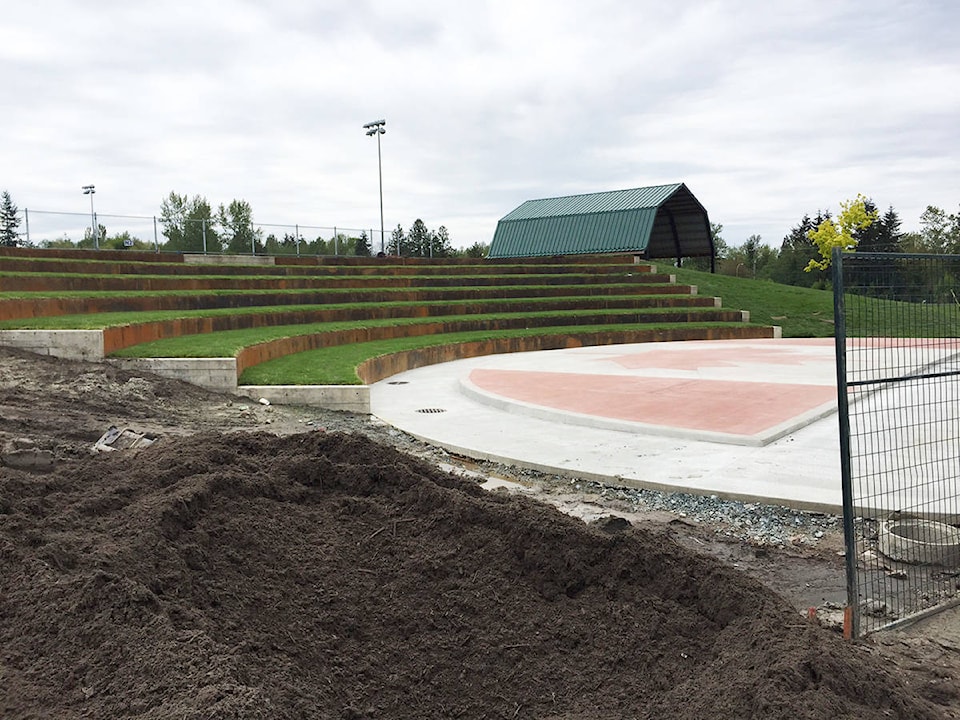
(920,542)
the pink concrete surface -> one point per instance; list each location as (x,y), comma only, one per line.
(695,357)
(743,408)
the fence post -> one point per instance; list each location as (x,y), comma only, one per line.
(296,237)
(26,220)
(851,617)
(156,240)
(336,243)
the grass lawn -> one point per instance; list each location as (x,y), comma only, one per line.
(800,312)
(804,312)
(98,321)
(229,342)
(337,365)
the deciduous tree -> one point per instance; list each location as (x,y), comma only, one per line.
(240,236)
(828,235)
(189,224)
(477,250)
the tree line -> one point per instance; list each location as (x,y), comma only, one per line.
(192,224)
(789,264)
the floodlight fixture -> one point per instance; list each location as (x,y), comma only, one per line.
(378,128)
(90,190)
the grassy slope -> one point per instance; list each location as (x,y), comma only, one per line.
(801,312)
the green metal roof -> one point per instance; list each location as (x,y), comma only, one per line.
(636,199)
(659,221)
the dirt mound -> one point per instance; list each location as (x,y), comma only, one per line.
(323,575)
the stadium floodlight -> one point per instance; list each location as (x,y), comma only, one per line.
(90,190)
(378,128)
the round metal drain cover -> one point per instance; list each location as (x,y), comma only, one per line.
(431,411)
(398,382)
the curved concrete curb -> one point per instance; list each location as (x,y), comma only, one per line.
(592,421)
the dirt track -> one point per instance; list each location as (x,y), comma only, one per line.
(329,574)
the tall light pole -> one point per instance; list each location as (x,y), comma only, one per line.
(378,128)
(89,190)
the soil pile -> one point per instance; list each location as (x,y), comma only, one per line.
(324,575)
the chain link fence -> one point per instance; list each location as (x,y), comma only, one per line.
(41,228)
(898,375)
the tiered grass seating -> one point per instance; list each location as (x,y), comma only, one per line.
(308,320)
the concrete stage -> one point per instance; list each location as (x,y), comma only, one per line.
(743,419)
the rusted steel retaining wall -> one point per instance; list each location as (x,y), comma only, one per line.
(264,352)
(15,309)
(124,336)
(378,368)
(160,283)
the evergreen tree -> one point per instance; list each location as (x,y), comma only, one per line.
(361,246)
(271,245)
(795,253)
(418,240)
(9,221)
(290,243)
(398,241)
(442,245)
(883,235)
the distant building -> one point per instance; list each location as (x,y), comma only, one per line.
(665,221)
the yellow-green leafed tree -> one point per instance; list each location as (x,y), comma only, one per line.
(830,234)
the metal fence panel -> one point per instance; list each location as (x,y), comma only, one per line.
(898,376)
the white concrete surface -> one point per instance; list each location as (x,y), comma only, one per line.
(800,469)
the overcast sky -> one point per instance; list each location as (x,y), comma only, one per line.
(767,110)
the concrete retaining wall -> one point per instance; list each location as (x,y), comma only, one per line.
(349,398)
(220,375)
(68,344)
(217,374)
(197,259)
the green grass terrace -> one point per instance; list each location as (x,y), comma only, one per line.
(349,321)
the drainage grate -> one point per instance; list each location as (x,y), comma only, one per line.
(431,411)
(398,382)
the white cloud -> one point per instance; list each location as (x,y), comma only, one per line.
(766,110)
